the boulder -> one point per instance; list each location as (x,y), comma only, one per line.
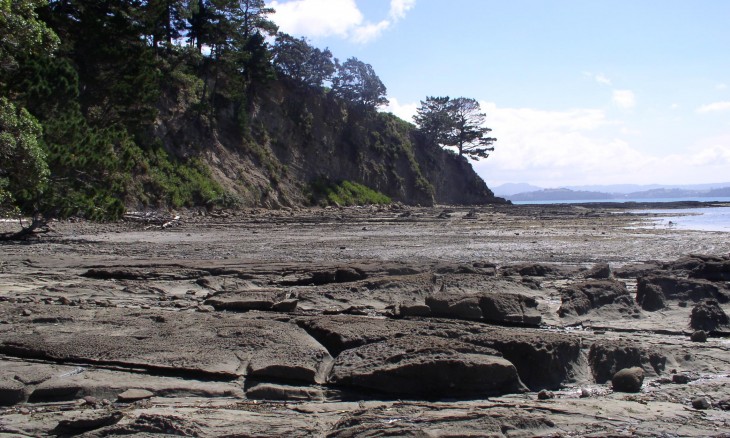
(708,316)
(628,380)
(701,403)
(426,366)
(699,336)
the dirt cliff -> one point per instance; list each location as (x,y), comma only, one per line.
(268,151)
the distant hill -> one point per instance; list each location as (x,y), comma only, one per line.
(514,188)
(559,195)
(566,194)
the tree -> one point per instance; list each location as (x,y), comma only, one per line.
(457,123)
(357,82)
(23,168)
(22,33)
(300,61)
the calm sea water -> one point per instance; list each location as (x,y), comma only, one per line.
(588,201)
(703,219)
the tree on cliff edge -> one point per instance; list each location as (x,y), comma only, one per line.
(457,123)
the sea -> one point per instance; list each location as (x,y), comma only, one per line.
(700,219)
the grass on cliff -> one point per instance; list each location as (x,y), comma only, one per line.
(345,193)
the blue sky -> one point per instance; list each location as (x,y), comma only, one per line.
(576,92)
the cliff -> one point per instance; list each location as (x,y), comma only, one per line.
(287,137)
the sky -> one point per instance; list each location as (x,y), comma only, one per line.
(576,92)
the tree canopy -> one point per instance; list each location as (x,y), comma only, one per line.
(295,58)
(356,81)
(457,123)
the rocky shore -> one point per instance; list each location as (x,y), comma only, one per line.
(376,321)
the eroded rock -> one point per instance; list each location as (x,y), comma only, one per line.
(708,316)
(426,366)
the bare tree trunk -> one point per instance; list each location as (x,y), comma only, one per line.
(38,225)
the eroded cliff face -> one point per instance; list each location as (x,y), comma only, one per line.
(269,152)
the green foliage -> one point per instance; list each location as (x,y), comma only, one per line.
(356,82)
(182,184)
(300,61)
(23,168)
(345,193)
(22,33)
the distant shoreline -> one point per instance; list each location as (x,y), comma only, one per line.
(633,204)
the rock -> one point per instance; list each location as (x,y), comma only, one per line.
(708,316)
(544,394)
(133,395)
(288,305)
(600,271)
(11,391)
(724,404)
(414,309)
(628,380)
(680,379)
(55,390)
(510,308)
(557,353)
(585,393)
(455,306)
(271,391)
(346,275)
(580,298)
(426,366)
(701,403)
(531,270)
(244,301)
(490,306)
(608,357)
(218,345)
(654,290)
(87,421)
(699,336)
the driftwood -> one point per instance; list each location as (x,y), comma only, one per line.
(153,219)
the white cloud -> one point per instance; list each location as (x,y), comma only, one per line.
(405,111)
(716,106)
(624,98)
(598,77)
(721,86)
(584,146)
(674,106)
(341,18)
(398,8)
